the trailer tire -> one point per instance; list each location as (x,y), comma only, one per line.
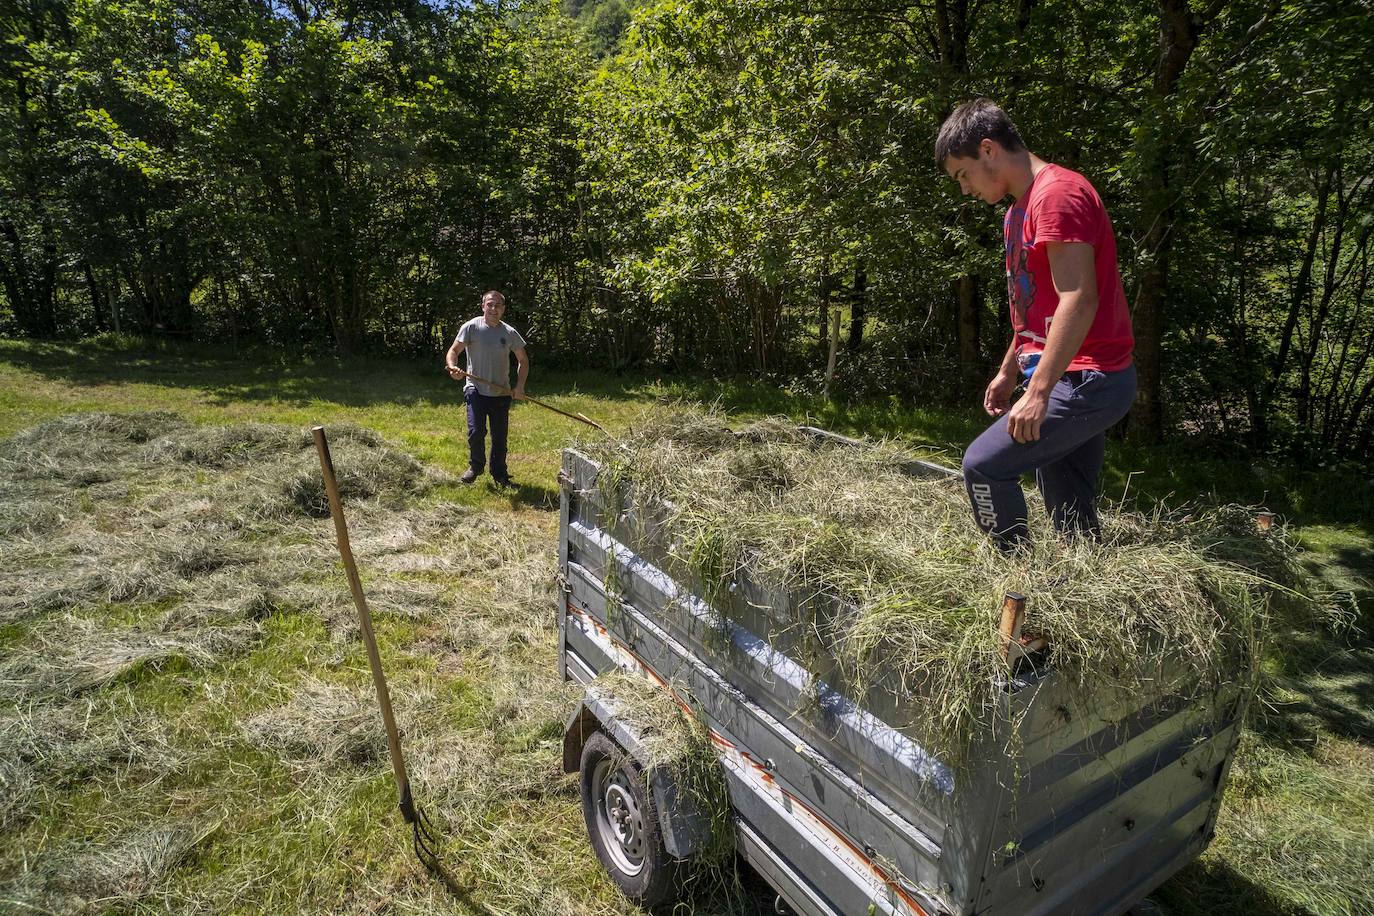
(622,822)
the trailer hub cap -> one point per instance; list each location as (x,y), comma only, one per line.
(618,817)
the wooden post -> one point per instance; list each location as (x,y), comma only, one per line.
(834,345)
(1013,612)
(1265,521)
(1015,644)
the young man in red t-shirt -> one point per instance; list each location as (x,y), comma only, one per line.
(1072,338)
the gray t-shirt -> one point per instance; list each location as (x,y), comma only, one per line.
(488,351)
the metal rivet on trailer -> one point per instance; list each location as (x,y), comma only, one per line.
(1038,884)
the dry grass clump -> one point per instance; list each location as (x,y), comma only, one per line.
(680,744)
(173,530)
(371,474)
(227,446)
(29,517)
(897,585)
(668,735)
(72,655)
(321,726)
(90,877)
(53,747)
(75,434)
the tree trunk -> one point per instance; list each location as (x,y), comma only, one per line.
(1162,170)
(826,296)
(1147,414)
(858,314)
(969,301)
(97,305)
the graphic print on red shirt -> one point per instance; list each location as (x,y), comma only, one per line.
(1062,206)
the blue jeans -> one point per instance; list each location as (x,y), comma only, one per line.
(484,411)
(1067,458)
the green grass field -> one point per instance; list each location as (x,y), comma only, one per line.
(170,756)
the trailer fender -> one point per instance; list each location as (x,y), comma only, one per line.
(685,828)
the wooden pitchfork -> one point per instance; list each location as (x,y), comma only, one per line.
(417,819)
(581,418)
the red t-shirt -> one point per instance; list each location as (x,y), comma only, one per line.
(1061,206)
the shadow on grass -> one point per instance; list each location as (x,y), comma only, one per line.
(530,494)
(1327,688)
(269,375)
(1176,472)
(1214,888)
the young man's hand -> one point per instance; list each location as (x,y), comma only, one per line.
(997,398)
(1026,417)
(518,392)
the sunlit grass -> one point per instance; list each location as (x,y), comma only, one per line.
(1291,838)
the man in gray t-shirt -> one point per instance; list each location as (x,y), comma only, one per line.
(489,343)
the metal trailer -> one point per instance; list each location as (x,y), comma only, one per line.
(839,811)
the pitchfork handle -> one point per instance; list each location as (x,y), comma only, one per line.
(374,659)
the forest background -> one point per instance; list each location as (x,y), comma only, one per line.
(252,210)
(698,186)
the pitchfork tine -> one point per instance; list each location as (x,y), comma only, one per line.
(423,851)
(424,827)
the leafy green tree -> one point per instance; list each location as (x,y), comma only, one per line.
(37,65)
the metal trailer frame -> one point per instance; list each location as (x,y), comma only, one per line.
(842,813)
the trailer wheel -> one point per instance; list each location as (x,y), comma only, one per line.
(622,822)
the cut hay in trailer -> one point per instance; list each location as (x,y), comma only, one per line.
(893,582)
(841,622)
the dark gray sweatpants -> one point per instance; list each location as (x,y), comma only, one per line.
(1067,458)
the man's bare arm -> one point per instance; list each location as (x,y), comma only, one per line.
(1074,271)
(522,372)
(997,396)
(451,360)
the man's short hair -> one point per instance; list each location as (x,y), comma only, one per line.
(972,123)
(493,293)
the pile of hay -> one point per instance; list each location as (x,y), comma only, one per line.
(116,875)
(140,508)
(918,587)
(321,726)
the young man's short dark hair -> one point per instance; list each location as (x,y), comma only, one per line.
(972,123)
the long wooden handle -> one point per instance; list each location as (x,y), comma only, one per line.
(374,659)
(571,416)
